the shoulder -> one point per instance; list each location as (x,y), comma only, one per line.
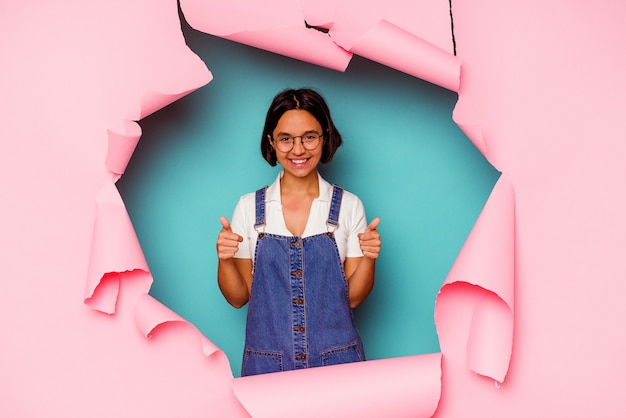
(352,217)
(247,199)
(245,207)
(349,198)
(350,203)
(247,202)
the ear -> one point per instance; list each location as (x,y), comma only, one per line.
(269,139)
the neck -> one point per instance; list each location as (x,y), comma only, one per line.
(308,185)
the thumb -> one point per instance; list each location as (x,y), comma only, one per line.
(225,223)
(373,225)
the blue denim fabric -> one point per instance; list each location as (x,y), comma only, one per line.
(299,314)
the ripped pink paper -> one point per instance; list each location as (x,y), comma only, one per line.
(478,330)
(349,20)
(403,386)
(115,250)
(75,75)
(382,41)
(277,27)
(281,27)
(406,52)
(121,147)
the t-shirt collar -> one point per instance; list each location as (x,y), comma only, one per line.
(273,191)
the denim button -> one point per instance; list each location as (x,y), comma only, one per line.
(297,273)
(299,301)
(301,329)
(296,244)
(301,357)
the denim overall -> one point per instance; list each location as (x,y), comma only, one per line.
(299,314)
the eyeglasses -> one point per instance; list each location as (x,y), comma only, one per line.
(309,141)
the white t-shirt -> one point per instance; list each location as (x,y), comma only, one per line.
(352,220)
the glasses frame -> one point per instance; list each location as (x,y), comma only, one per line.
(293,141)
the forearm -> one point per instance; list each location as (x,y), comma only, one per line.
(232,284)
(361,281)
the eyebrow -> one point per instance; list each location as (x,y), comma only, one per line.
(310,131)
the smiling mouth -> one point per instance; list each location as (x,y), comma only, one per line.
(299,161)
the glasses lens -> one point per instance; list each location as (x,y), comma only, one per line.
(309,142)
(284,143)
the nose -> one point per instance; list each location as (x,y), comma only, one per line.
(298,146)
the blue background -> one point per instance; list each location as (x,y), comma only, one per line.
(402,155)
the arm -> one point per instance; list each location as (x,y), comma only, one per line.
(360,270)
(234,275)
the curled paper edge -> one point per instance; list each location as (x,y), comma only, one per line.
(150,314)
(397,48)
(195,76)
(151,101)
(493,278)
(115,253)
(492,234)
(121,147)
(104,296)
(301,43)
(475,329)
(288,36)
(115,249)
(152,318)
(411,384)
(490,337)
(475,134)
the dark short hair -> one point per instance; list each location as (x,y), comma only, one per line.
(304,99)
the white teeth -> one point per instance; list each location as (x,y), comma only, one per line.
(298,161)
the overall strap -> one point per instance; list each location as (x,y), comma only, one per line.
(335,205)
(260,208)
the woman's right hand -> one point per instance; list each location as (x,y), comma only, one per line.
(227,241)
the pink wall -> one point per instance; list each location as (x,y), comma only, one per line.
(531,318)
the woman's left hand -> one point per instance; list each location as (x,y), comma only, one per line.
(370,240)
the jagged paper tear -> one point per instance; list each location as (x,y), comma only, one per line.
(411,384)
(286,33)
(408,386)
(278,27)
(399,49)
(115,250)
(150,314)
(479,287)
(121,147)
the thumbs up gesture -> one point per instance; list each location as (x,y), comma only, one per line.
(227,241)
(370,240)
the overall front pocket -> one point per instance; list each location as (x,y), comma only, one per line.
(259,362)
(341,355)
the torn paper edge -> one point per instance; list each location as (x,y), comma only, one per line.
(487,262)
(98,271)
(400,386)
(397,48)
(385,43)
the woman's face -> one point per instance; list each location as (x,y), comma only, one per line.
(299,161)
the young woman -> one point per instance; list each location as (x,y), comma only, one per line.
(299,251)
